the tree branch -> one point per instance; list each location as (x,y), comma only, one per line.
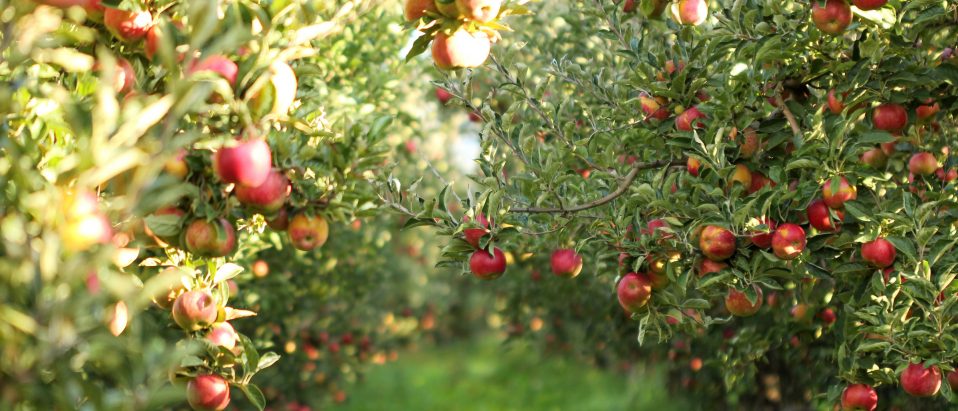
(789,116)
(623,186)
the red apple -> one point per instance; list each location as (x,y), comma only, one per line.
(788,242)
(217,64)
(953,380)
(859,397)
(195,310)
(634,291)
(267,198)
(248,163)
(657,227)
(223,335)
(869,4)
(629,6)
(482,11)
(832,19)
(750,143)
(920,381)
(827,316)
(684,121)
(890,117)
(474,235)
(820,217)
(926,111)
(946,175)
(707,266)
(307,232)
(764,239)
(461,49)
(486,266)
(124,77)
(717,243)
(416,9)
(566,263)
(215,238)
(693,165)
(127,25)
(922,163)
(279,222)
(879,253)
(737,303)
(441,94)
(208,392)
(875,158)
(82,232)
(834,104)
(758,182)
(835,195)
(654,107)
(741,175)
(690,12)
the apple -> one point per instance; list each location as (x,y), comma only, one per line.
(879,252)
(634,291)
(684,121)
(654,107)
(217,64)
(482,11)
(832,19)
(442,95)
(869,4)
(176,166)
(750,143)
(921,381)
(82,232)
(737,303)
(118,318)
(788,242)
(307,232)
(277,96)
(195,310)
(889,148)
(208,392)
(474,235)
(657,227)
(875,158)
(124,77)
(461,49)
(946,176)
(260,269)
(629,6)
(890,117)
(927,111)
(717,243)
(799,312)
(127,25)
(223,335)
(953,380)
(566,263)
(206,238)
(834,104)
(267,198)
(758,182)
(693,165)
(247,163)
(859,397)
(279,222)
(827,315)
(835,195)
(690,12)
(763,239)
(707,266)
(741,175)
(670,68)
(486,266)
(820,217)
(922,163)
(417,9)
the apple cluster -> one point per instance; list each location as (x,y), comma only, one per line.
(461,31)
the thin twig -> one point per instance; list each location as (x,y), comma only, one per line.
(623,186)
(789,116)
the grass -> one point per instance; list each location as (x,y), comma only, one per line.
(487,376)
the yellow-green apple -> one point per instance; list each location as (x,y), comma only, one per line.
(487,266)
(890,117)
(461,49)
(879,253)
(205,238)
(820,217)
(869,4)
(690,12)
(922,163)
(717,243)
(416,9)
(566,263)
(247,163)
(267,198)
(832,19)
(686,121)
(127,25)
(208,392)
(737,303)
(921,381)
(788,241)
(307,232)
(835,195)
(176,166)
(859,397)
(195,310)
(634,291)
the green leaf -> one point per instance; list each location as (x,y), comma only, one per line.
(226,272)
(267,360)
(254,395)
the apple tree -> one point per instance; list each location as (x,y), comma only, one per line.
(762,193)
